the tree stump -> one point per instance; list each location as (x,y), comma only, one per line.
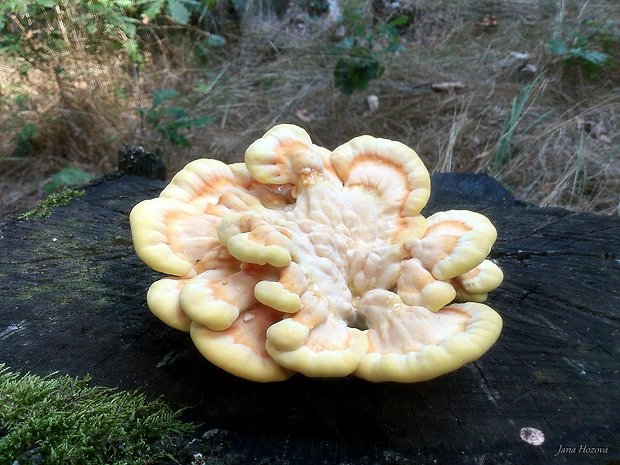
(72,300)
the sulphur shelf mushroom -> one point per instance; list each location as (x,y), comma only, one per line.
(318,262)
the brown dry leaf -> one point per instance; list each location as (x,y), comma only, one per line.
(597,129)
(489,21)
(373,105)
(304,115)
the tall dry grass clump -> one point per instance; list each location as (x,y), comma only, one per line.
(63,103)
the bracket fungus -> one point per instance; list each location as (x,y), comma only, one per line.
(318,262)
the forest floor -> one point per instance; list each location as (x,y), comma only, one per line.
(527,92)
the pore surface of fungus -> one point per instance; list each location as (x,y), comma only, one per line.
(318,262)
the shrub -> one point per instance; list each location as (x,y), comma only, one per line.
(168,117)
(362,48)
(30,28)
(588,46)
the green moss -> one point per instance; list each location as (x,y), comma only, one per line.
(64,420)
(44,208)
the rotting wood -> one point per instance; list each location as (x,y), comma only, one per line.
(72,299)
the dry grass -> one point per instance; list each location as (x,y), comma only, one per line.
(563,147)
(80,118)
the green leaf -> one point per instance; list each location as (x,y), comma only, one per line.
(176,113)
(178,11)
(24,140)
(580,41)
(240,6)
(91,27)
(347,42)
(67,177)
(214,41)
(394,47)
(210,4)
(152,7)
(591,61)
(152,116)
(163,94)
(400,21)
(198,121)
(594,57)
(175,137)
(557,47)
(131,48)
(354,73)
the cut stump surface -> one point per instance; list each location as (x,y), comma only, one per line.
(72,300)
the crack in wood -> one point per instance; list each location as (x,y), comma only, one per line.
(12,329)
(528,293)
(490,393)
(542,412)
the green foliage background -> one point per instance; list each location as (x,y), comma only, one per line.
(81,78)
(34,25)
